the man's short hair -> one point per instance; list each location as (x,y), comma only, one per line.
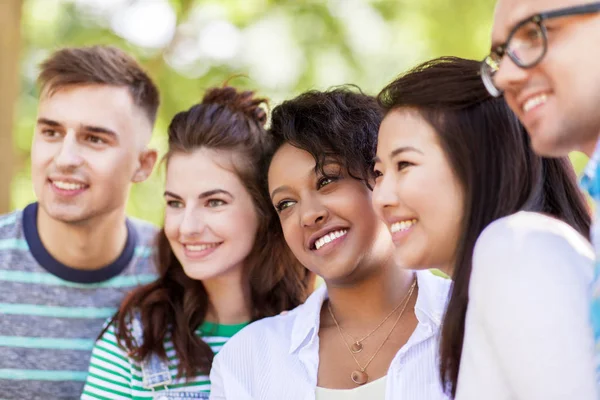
(101,65)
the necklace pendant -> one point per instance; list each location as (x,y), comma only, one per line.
(359,377)
(356,347)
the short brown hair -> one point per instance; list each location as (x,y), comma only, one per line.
(103,65)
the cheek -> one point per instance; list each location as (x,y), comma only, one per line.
(435,198)
(172,224)
(416,191)
(238,224)
(511,99)
(446,209)
(111,166)
(42,154)
(293,236)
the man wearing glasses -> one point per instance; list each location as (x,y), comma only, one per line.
(545,60)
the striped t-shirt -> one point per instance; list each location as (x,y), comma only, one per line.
(51,314)
(114,375)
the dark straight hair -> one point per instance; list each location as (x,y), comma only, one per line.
(175,305)
(489,152)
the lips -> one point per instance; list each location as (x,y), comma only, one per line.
(328,238)
(65,185)
(196,247)
(199,250)
(325,236)
(534,102)
(404,225)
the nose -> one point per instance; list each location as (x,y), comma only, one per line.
(385,193)
(192,223)
(68,156)
(510,76)
(313,213)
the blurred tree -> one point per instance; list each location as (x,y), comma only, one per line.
(280,47)
(10,27)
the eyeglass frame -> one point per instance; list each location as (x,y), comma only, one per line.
(537,19)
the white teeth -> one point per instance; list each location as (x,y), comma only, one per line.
(330,237)
(534,102)
(200,247)
(402,225)
(68,185)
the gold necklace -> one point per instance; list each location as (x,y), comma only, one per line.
(360,376)
(357,346)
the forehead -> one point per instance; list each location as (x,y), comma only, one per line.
(405,127)
(290,164)
(97,105)
(509,12)
(202,170)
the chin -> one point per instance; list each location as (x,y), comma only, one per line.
(409,261)
(340,274)
(547,147)
(198,273)
(63,214)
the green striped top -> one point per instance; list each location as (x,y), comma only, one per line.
(114,375)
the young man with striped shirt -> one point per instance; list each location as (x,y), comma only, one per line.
(67,260)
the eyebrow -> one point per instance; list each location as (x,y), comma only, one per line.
(49,122)
(99,129)
(279,189)
(514,20)
(88,128)
(202,195)
(399,150)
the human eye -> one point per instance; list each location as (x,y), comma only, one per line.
(326,180)
(402,165)
(175,204)
(94,139)
(527,35)
(377,174)
(50,133)
(283,205)
(215,203)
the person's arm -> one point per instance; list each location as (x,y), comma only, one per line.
(109,375)
(529,299)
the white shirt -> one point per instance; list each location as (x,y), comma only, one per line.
(527,333)
(277,358)
(370,390)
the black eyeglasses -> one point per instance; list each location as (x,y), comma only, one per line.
(527,43)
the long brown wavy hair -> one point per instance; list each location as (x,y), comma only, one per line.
(175,305)
(490,153)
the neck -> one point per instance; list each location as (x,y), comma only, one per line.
(228,298)
(589,147)
(86,246)
(371,299)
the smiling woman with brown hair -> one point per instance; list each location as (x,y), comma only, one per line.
(371,331)
(218,269)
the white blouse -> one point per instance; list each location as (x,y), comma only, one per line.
(278,358)
(372,390)
(527,333)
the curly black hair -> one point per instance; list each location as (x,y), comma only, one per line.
(339,125)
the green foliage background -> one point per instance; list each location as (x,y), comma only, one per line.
(327,39)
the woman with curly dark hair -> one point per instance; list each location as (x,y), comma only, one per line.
(371,330)
(218,267)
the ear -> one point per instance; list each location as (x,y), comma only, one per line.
(146,165)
